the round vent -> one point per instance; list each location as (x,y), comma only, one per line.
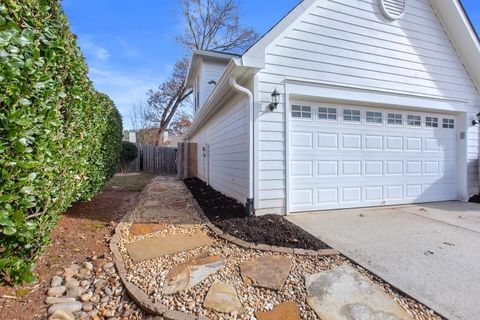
(393,9)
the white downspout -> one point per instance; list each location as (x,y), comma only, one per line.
(235,86)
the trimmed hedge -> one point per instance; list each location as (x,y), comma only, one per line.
(60,140)
(128,154)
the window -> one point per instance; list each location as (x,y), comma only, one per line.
(197,94)
(431,122)
(449,123)
(374,117)
(395,118)
(327,113)
(351,115)
(304,112)
(414,121)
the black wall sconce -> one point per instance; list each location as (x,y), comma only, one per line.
(275,100)
(476,120)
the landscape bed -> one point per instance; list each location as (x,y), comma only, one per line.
(229,215)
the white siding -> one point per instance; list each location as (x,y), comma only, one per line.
(351,43)
(210,70)
(225,136)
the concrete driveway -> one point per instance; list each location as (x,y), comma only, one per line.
(429,251)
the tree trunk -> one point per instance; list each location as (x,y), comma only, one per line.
(159,138)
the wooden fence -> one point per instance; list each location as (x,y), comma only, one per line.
(155,159)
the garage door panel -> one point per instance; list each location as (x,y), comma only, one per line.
(341,165)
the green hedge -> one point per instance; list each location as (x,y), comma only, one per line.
(59,139)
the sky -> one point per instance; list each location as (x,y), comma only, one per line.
(130,45)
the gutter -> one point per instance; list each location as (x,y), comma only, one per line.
(235,86)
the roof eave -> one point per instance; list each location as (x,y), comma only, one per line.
(195,59)
(462,34)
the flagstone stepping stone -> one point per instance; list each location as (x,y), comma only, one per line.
(222,297)
(141,229)
(284,311)
(160,212)
(188,274)
(153,203)
(161,246)
(345,294)
(267,272)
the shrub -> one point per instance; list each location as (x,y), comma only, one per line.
(59,139)
(129,153)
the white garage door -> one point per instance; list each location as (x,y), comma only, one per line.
(347,156)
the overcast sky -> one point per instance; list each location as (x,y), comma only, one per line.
(130,45)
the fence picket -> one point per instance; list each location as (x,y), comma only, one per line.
(155,159)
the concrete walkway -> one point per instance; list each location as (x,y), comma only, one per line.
(429,251)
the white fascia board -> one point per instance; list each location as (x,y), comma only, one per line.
(338,93)
(221,91)
(461,34)
(210,106)
(255,55)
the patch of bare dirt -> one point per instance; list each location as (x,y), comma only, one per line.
(83,232)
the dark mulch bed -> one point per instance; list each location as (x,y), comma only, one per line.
(475,199)
(228,215)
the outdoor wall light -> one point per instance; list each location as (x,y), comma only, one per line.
(476,120)
(275,100)
(212,82)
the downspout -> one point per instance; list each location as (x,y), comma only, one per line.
(235,86)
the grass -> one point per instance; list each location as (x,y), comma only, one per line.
(96,225)
(135,183)
(22,292)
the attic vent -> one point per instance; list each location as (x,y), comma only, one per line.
(393,9)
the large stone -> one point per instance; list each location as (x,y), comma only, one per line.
(222,297)
(71,282)
(188,274)
(140,229)
(178,315)
(284,311)
(160,212)
(56,281)
(74,292)
(56,291)
(345,294)
(161,246)
(54,300)
(266,272)
(61,315)
(65,307)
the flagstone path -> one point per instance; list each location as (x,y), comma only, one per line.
(182,267)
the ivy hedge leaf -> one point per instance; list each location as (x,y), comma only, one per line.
(59,138)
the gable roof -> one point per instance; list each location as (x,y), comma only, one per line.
(199,55)
(462,34)
(450,12)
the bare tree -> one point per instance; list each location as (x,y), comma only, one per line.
(164,102)
(214,25)
(138,118)
(209,25)
(180,125)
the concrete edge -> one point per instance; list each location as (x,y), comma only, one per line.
(261,247)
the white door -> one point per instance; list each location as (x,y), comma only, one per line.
(348,156)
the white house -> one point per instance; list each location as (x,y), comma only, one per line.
(378,104)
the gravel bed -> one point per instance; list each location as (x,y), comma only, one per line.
(150,276)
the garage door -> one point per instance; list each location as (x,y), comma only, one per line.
(347,156)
